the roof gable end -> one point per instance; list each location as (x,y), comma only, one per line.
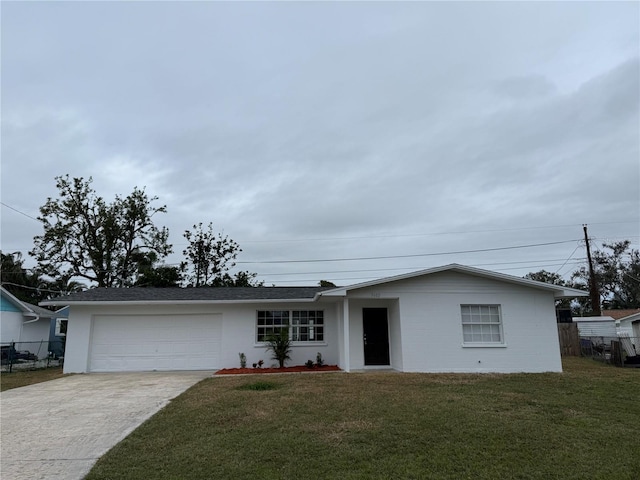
(24,307)
(559,291)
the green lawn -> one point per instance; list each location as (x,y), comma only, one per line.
(22,378)
(583,423)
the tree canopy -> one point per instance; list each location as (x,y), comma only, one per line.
(29,285)
(617,272)
(20,282)
(210,256)
(84,236)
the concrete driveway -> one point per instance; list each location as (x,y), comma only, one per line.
(59,429)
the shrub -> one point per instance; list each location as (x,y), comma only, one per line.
(309,364)
(280,344)
(319,360)
(243,360)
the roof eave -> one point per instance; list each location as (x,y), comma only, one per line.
(559,291)
(570,293)
(174,302)
(25,307)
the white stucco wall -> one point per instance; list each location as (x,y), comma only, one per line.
(431,325)
(35,337)
(32,336)
(10,326)
(238,331)
(626,325)
(635,330)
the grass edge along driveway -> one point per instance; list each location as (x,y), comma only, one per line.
(22,378)
(578,424)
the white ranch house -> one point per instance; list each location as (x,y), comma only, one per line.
(448,319)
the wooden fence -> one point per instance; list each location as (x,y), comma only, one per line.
(569,339)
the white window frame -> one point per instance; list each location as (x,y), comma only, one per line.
(307,323)
(299,322)
(482,325)
(59,330)
(279,319)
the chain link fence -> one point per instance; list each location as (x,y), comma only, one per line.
(31,355)
(622,351)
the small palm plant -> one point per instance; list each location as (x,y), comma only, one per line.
(280,344)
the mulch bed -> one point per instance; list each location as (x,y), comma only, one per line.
(295,369)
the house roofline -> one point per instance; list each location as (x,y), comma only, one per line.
(560,291)
(634,317)
(26,307)
(176,302)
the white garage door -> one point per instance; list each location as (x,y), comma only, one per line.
(132,343)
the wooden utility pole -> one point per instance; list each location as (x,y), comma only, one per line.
(594,295)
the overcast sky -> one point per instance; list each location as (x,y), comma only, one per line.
(326,131)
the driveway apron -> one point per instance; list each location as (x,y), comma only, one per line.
(59,429)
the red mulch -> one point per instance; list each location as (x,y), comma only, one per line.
(297,368)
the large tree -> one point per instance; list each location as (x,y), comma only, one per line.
(617,272)
(153,274)
(84,236)
(210,256)
(240,279)
(29,285)
(21,282)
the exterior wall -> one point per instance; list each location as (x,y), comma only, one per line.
(635,326)
(395,336)
(10,321)
(10,326)
(431,325)
(12,329)
(238,332)
(342,354)
(38,334)
(625,325)
(596,326)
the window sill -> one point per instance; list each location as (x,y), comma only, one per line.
(484,345)
(295,344)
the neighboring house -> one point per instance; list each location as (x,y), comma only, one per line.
(602,327)
(58,332)
(447,319)
(627,321)
(25,324)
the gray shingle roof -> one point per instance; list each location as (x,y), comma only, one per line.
(187,294)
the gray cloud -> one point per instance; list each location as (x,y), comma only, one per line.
(333,130)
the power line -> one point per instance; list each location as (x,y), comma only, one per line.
(513,247)
(332,272)
(370,277)
(408,256)
(33,288)
(21,213)
(574,251)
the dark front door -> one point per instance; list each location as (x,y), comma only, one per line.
(376,336)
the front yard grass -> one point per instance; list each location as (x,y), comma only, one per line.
(579,424)
(22,378)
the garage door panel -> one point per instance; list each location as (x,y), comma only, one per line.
(155,342)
